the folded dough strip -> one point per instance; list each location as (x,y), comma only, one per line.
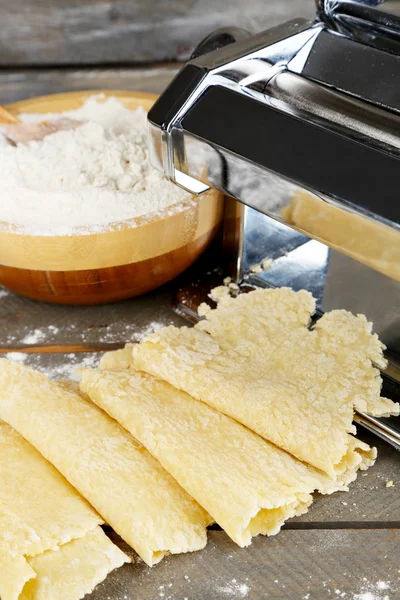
(255,359)
(248,485)
(51,544)
(120,478)
(75,569)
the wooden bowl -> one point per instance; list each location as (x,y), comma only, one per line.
(130,258)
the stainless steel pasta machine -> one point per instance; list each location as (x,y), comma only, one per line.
(301,125)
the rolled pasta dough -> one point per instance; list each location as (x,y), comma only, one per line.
(255,359)
(47,530)
(116,474)
(248,485)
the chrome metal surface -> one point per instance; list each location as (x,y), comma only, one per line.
(278,198)
(250,72)
(189,144)
(301,124)
(266,238)
(304,268)
(378,428)
(374,21)
(342,113)
(331,8)
(359,289)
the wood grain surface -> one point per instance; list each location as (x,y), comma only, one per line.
(73,32)
(294,565)
(81,325)
(27,83)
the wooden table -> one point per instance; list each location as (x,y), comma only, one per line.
(347,546)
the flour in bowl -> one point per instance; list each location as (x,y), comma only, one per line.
(84,179)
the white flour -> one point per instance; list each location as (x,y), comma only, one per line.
(67,368)
(234,589)
(84,178)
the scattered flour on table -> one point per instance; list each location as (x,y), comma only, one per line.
(381,590)
(116,332)
(142,333)
(85,178)
(120,332)
(3,292)
(66,369)
(234,589)
(39,335)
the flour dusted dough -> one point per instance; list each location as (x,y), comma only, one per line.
(128,487)
(51,544)
(255,359)
(248,485)
(75,569)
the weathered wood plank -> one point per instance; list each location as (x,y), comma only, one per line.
(26,322)
(65,32)
(65,349)
(294,565)
(368,500)
(369,503)
(20,84)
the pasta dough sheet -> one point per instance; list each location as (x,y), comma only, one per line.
(369,242)
(75,569)
(248,485)
(51,544)
(255,359)
(116,474)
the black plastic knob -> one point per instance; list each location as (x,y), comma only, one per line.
(218,39)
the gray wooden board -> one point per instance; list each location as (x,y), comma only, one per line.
(20,84)
(51,32)
(369,503)
(294,565)
(90,325)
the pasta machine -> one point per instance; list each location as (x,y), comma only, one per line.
(299,126)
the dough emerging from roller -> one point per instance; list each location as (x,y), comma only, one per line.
(248,485)
(116,474)
(51,544)
(255,358)
(361,238)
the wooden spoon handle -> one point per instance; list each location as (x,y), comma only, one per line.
(6,117)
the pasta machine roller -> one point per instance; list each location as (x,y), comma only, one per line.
(299,126)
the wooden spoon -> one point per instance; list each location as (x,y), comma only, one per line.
(6,117)
(23,133)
